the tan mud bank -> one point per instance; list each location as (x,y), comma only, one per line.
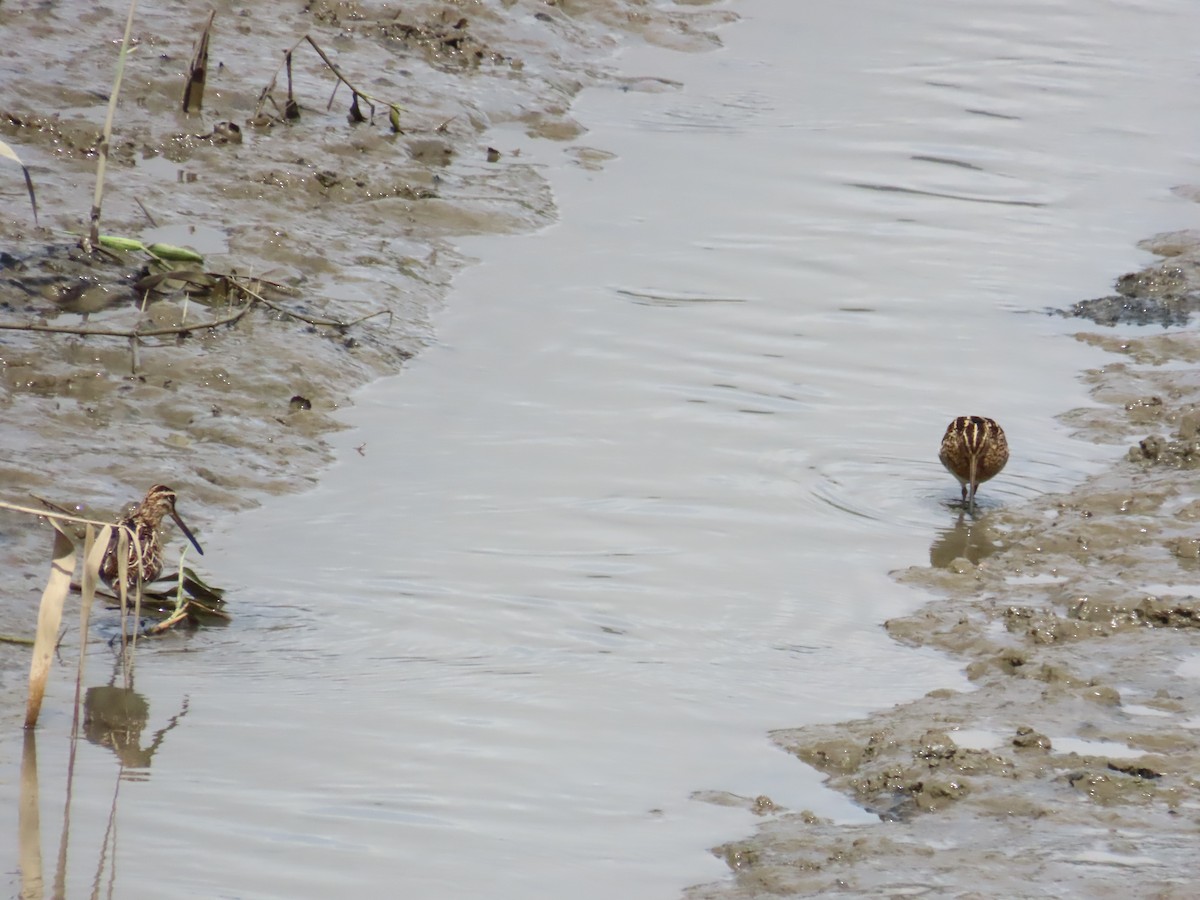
(1071,766)
(349,226)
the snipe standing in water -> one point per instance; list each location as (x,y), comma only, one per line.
(144,520)
(974,449)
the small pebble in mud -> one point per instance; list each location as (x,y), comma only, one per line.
(738,858)
(431,151)
(930,796)
(1010,660)
(226,133)
(1104,695)
(1189,426)
(1111,788)
(1028,739)
(1185,548)
(936,745)
(976,670)
(763,805)
(299,403)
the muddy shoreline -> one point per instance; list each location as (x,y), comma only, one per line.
(1068,764)
(344,222)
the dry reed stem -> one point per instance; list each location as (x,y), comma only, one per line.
(95,547)
(193,91)
(49,618)
(102,151)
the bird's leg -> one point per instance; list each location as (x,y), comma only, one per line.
(974,478)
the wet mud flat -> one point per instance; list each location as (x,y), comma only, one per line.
(344,226)
(1068,764)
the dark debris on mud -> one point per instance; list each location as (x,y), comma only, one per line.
(1166,294)
(1120,309)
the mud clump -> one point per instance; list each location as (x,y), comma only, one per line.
(1158,451)
(1120,310)
(1072,754)
(1165,295)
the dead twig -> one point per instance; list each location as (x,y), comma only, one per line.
(107,332)
(327,323)
(145,212)
(355,114)
(311,320)
(205,282)
(266,95)
(291,108)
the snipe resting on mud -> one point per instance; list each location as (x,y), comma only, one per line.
(974,449)
(144,520)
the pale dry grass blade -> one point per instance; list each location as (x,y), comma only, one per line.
(49,618)
(8,153)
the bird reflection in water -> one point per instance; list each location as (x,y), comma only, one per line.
(969,538)
(115,717)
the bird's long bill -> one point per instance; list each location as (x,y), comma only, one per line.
(974,473)
(187,532)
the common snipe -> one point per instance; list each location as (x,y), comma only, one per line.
(144,520)
(974,449)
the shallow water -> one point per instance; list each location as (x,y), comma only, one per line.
(638,503)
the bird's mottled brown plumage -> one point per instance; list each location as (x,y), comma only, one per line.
(974,449)
(144,520)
